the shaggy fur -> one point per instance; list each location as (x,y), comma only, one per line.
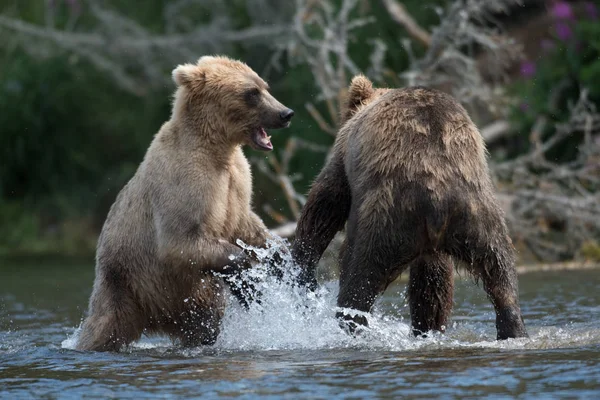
(409,178)
(178,218)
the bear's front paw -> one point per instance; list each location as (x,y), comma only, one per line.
(307,278)
(352,324)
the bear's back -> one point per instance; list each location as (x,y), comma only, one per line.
(415,135)
(414,153)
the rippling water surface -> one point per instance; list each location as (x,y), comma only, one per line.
(291,346)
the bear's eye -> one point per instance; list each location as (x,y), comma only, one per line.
(252,96)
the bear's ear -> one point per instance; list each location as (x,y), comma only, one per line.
(360,90)
(187,75)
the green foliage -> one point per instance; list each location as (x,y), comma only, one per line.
(60,131)
(591,251)
(71,138)
(568,66)
(589,68)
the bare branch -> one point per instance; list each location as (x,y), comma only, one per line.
(496,130)
(551,200)
(286,230)
(136,58)
(401,16)
(319,119)
(448,65)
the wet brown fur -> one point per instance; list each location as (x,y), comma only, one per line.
(178,218)
(408,176)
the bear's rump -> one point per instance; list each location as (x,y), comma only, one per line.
(413,212)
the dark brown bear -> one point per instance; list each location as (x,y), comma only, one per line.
(408,174)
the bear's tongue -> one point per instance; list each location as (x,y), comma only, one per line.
(262,140)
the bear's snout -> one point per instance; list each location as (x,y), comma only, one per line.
(277,118)
(286,115)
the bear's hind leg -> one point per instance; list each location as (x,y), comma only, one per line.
(496,268)
(430,291)
(489,256)
(370,263)
(109,332)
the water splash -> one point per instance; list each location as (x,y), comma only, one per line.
(287,317)
(71,341)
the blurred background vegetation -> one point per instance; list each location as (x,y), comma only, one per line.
(84,86)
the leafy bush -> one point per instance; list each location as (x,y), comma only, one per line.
(69,141)
(570,64)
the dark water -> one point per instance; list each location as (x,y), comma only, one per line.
(292,348)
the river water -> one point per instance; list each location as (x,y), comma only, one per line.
(291,346)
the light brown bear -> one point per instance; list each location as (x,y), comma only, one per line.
(178,218)
(408,173)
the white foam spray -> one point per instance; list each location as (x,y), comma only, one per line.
(290,318)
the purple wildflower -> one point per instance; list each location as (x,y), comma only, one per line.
(562,10)
(591,10)
(527,69)
(563,31)
(524,107)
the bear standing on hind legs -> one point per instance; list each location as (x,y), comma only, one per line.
(177,220)
(409,178)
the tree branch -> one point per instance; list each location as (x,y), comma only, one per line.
(401,16)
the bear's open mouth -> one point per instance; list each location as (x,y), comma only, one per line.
(261,139)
